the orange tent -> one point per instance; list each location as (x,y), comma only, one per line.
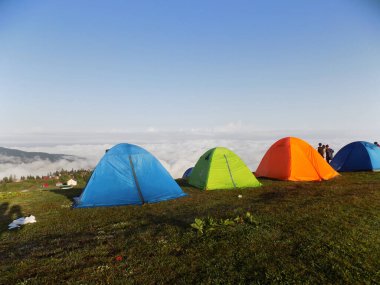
(295,160)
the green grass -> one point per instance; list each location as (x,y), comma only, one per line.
(306,233)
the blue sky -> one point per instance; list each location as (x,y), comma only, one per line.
(119,66)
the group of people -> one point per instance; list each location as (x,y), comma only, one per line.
(328,152)
(325,151)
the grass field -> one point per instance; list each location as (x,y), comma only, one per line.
(301,233)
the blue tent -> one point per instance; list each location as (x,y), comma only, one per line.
(128,175)
(357,156)
(187,173)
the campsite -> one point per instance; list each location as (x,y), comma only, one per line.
(282,232)
(189,142)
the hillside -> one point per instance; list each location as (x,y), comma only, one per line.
(298,233)
(8,155)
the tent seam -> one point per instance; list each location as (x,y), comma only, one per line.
(209,168)
(136,181)
(229,170)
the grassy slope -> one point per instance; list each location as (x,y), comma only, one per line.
(308,233)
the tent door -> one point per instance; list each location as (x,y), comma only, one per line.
(136,181)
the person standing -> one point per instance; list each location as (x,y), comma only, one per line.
(329,153)
(376,143)
(323,151)
(320,150)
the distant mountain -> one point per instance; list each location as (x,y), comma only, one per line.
(8,155)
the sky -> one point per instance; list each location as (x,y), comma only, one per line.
(188,73)
(121,66)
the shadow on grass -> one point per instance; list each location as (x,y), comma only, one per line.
(68,193)
(182,182)
(271,196)
(167,220)
(8,214)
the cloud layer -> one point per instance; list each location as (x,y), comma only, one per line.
(175,153)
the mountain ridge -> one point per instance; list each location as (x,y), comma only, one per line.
(10,155)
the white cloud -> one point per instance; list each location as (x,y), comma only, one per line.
(152,130)
(177,151)
(88,156)
(40,167)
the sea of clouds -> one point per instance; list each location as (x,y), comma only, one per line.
(176,151)
(176,157)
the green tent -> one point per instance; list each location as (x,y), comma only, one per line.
(220,168)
